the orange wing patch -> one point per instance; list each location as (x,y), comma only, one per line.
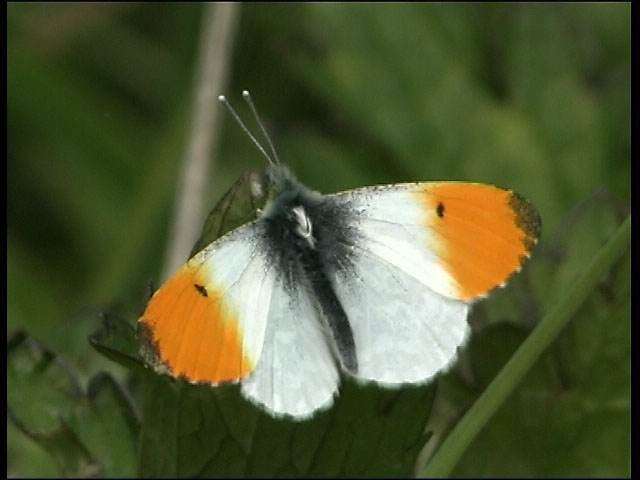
(481,232)
(188,330)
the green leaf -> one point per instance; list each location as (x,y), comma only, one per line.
(108,422)
(116,340)
(86,435)
(238,206)
(192,430)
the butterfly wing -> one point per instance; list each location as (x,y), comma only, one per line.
(227,315)
(297,373)
(207,322)
(422,253)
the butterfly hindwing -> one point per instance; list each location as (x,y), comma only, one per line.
(403,330)
(297,372)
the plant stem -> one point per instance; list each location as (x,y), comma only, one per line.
(456,443)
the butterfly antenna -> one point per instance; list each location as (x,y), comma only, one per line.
(226,103)
(247,98)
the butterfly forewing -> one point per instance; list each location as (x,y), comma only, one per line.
(207,322)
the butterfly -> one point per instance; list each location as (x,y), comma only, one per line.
(376,282)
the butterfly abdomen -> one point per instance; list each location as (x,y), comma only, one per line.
(317,237)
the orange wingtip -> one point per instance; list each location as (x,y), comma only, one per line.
(483,233)
(188,331)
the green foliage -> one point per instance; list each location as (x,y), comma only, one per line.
(538,392)
(194,430)
(237,207)
(87,434)
(534,97)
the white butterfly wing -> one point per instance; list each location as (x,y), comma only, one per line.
(207,322)
(297,373)
(226,315)
(403,330)
(422,252)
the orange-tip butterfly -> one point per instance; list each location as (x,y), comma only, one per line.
(376,282)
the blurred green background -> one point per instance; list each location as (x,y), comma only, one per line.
(534,97)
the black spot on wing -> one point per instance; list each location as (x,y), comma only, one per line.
(202,290)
